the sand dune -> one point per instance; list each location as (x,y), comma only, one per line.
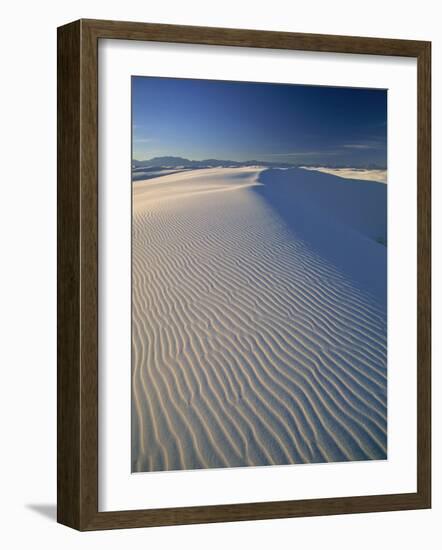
(353,173)
(259,319)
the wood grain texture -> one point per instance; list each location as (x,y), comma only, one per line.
(77,227)
(424,274)
(252,38)
(68,276)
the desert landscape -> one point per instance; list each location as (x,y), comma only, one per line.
(259,324)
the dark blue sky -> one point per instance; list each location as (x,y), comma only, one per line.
(199,119)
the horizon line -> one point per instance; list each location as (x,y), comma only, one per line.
(258,161)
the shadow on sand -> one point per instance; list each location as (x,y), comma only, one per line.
(341,220)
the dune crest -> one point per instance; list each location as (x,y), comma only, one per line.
(259,320)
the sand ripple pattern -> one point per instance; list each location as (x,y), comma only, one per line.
(248,348)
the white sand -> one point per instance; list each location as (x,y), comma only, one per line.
(259,320)
(352,173)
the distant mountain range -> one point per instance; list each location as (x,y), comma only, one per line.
(183,163)
(180,162)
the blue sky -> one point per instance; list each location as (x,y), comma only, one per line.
(199,119)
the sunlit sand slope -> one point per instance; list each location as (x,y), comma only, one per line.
(259,321)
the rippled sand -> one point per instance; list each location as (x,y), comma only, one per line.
(259,322)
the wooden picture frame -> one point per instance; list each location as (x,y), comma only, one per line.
(77,225)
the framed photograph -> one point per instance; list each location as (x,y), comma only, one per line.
(243,275)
